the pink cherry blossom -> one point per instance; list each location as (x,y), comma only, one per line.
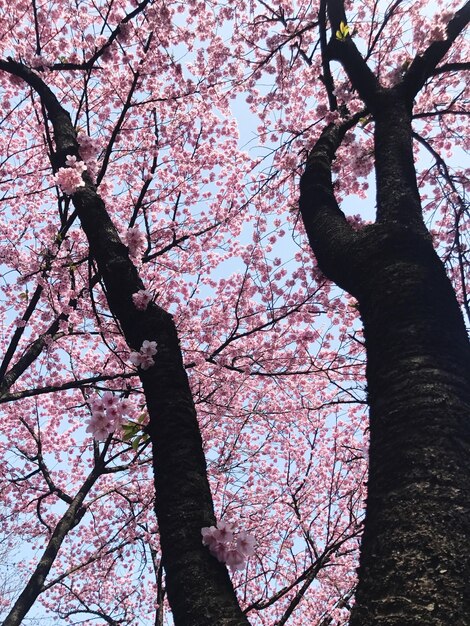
(89,147)
(114,413)
(147,362)
(148,348)
(143,358)
(100,425)
(141,299)
(70,178)
(219,550)
(245,543)
(235,559)
(126,406)
(273,351)
(228,546)
(208,535)
(135,358)
(106,414)
(72,162)
(136,241)
(97,404)
(108,399)
(224,532)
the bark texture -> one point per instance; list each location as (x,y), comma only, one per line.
(415,558)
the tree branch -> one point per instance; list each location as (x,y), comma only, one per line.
(346,52)
(327,78)
(34,350)
(328,231)
(34,586)
(71,384)
(451,67)
(424,65)
(88,65)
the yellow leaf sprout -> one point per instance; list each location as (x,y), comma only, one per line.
(343,31)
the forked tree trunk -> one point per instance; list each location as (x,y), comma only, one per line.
(414,564)
(415,556)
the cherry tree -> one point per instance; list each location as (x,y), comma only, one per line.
(154,263)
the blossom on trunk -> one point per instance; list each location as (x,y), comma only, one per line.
(227,546)
(69,178)
(144,358)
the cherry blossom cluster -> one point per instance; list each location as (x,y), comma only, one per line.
(228,546)
(107,412)
(144,358)
(70,178)
(141,299)
(89,147)
(125,31)
(135,241)
(39,62)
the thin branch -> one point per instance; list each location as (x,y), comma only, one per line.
(36,347)
(88,65)
(442,165)
(451,67)
(72,384)
(388,15)
(71,518)
(36,28)
(327,77)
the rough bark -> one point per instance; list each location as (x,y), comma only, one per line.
(415,557)
(397,190)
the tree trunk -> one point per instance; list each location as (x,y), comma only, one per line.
(415,561)
(198,585)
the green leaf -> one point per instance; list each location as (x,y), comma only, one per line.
(343,31)
(130,430)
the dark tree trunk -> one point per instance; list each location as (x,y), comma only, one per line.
(415,558)
(415,555)
(198,585)
(414,564)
